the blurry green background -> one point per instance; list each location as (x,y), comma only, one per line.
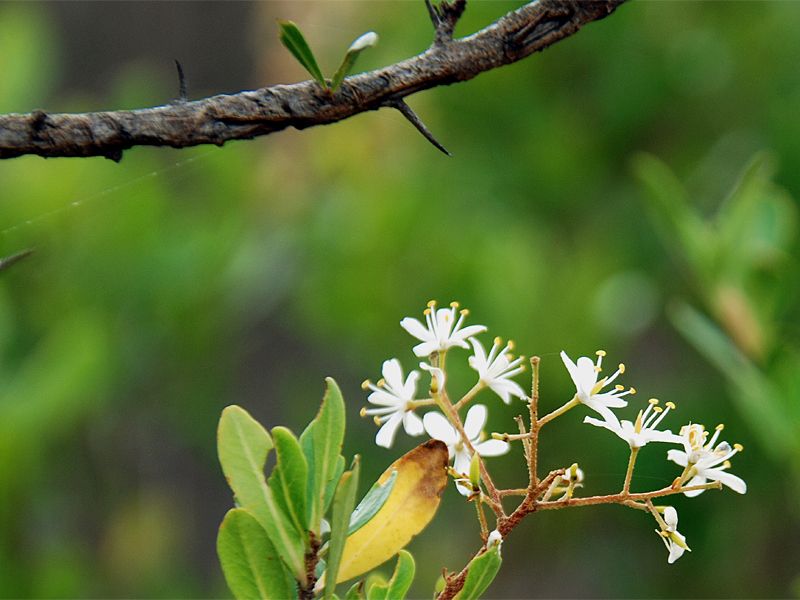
(176,282)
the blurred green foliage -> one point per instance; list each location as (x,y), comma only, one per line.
(181,282)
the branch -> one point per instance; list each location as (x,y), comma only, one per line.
(249,114)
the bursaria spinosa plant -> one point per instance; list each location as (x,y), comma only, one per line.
(298,533)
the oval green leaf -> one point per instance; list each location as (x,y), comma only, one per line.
(250,563)
(289,479)
(482,571)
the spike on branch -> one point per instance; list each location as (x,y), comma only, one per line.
(183,96)
(444,16)
(412,117)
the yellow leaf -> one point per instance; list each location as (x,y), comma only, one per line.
(421,478)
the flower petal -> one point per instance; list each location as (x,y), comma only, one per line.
(413,424)
(737,484)
(393,374)
(476,419)
(388,431)
(492,448)
(678,456)
(462,461)
(417,329)
(438,427)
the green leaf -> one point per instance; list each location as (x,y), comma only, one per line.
(326,437)
(343,502)
(289,479)
(371,503)
(673,216)
(356,591)
(337,473)
(368,40)
(243,445)
(249,561)
(482,571)
(397,587)
(295,42)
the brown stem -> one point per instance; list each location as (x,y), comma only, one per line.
(248,114)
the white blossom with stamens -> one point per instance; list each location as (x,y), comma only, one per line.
(643,430)
(673,540)
(438,427)
(496,369)
(442,329)
(393,398)
(706,461)
(589,390)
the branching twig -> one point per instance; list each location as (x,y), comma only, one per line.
(248,114)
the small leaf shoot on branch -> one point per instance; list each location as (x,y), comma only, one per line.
(296,43)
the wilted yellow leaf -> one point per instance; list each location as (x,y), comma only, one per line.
(421,478)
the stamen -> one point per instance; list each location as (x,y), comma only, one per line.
(454,304)
(365,384)
(670,405)
(632,390)
(376,420)
(463,312)
(738,447)
(720,427)
(653,401)
(510,345)
(431,304)
(619,387)
(621,368)
(363,411)
(381,382)
(600,353)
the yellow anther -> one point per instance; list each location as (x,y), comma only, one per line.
(653,401)
(597,369)
(376,420)
(600,353)
(657,409)
(511,344)
(454,305)
(498,341)
(619,387)
(381,382)
(726,464)
(738,447)
(632,390)
(365,384)
(463,312)
(431,304)
(621,368)
(363,411)
(720,427)
(670,405)
(426,312)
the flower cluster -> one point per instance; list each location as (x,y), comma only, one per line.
(395,403)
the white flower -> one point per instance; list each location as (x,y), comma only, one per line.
(644,430)
(439,427)
(393,396)
(437,377)
(496,369)
(673,540)
(443,331)
(588,389)
(704,460)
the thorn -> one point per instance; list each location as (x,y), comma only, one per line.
(7,261)
(409,114)
(444,17)
(182,94)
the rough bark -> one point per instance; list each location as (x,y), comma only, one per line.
(248,114)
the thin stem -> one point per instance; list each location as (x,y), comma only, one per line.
(626,487)
(482,521)
(558,412)
(420,403)
(533,407)
(469,395)
(526,442)
(624,498)
(514,492)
